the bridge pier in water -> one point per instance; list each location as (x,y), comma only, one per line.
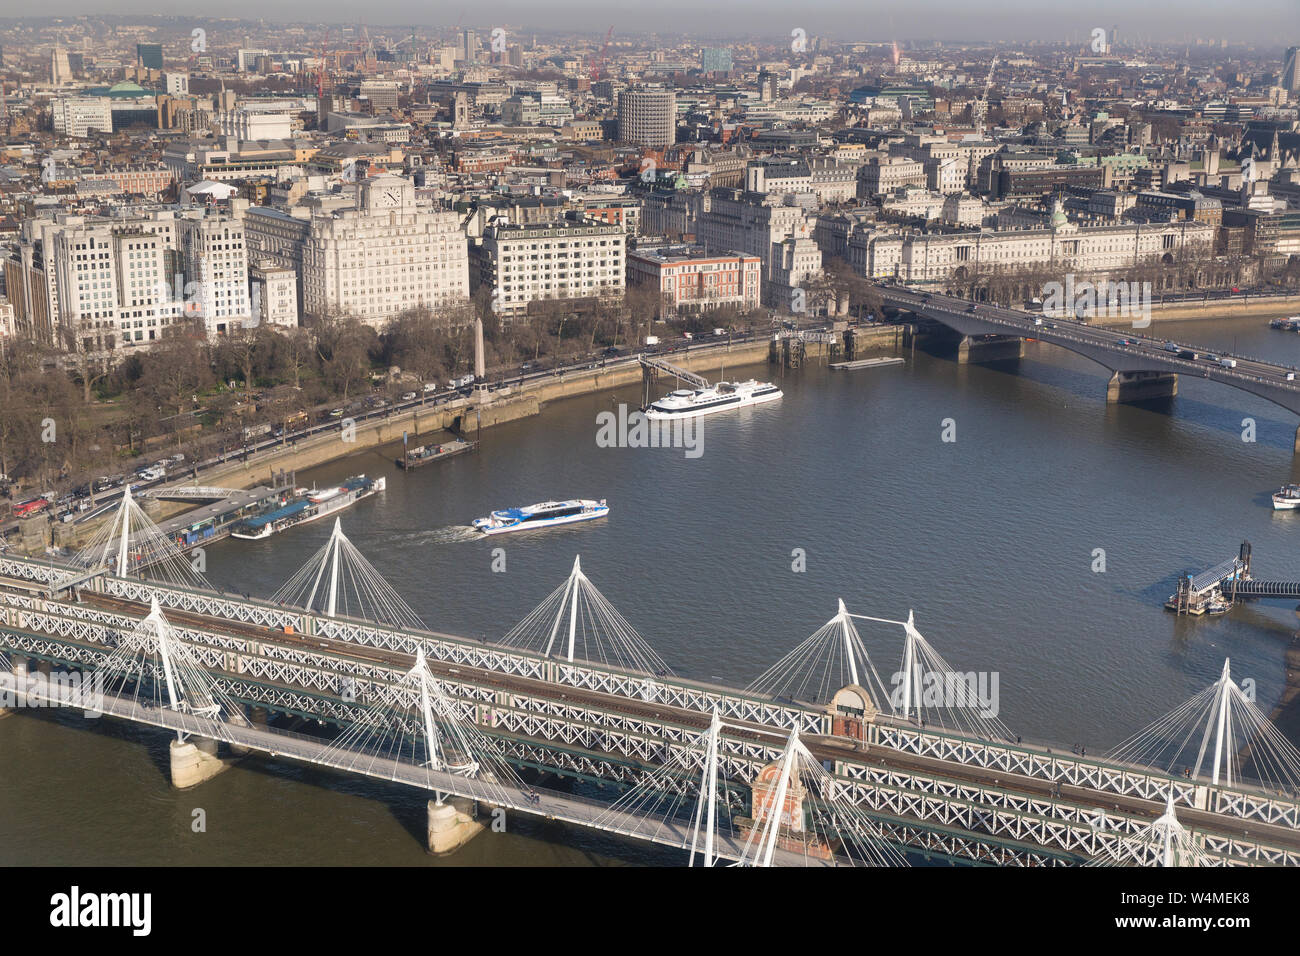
(451,825)
(1141,386)
(18,667)
(193,761)
(989,348)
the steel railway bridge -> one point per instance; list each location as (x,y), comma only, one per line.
(936,792)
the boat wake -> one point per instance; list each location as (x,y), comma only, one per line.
(452,534)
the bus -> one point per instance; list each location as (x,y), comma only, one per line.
(31,507)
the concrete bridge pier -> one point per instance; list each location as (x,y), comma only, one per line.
(991,348)
(194,761)
(1142,387)
(18,667)
(452,825)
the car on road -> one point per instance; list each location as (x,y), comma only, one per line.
(408,396)
(336,413)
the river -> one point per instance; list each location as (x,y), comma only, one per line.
(992,539)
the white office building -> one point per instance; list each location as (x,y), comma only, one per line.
(569,259)
(78,115)
(274,292)
(389,255)
(216,271)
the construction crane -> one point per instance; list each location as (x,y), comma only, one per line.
(598,63)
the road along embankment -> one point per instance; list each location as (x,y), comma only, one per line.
(1272,307)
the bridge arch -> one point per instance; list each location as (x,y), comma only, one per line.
(1140,368)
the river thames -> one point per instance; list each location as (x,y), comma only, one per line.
(993,539)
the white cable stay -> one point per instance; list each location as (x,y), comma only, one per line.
(832,657)
(794,813)
(413,720)
(1222,724)
(802,810)
(928,690)
(686,799)
(131,545)
(338,580)
(151,665)
(575,622)
(925,688)
(1165,842)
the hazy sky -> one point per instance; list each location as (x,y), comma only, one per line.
(1271,22)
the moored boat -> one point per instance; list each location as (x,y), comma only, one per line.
(306,506)
(1286,498)
(689,403)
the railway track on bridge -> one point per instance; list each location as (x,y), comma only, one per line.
(823,747)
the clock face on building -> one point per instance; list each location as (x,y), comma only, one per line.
(391,197)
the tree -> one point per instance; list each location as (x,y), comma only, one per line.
(345,345)
(176,369)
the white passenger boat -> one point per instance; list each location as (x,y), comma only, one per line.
(544,514)
(1287,498)
(688,403)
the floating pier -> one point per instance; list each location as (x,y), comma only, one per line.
(427,454)
(211,522)
(866,363)
(1215,591)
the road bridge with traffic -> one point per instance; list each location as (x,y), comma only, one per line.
(1142,367)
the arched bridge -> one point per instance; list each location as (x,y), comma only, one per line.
(1142,367)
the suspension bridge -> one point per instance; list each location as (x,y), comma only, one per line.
(817,762)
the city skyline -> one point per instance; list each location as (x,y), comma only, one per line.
(1020,21)
(988,314)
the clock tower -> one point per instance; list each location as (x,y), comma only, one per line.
(387,192)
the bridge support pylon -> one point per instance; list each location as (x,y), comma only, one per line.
(451,825)
(989,348)
(1141,386)
(18,667)
(193,761)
